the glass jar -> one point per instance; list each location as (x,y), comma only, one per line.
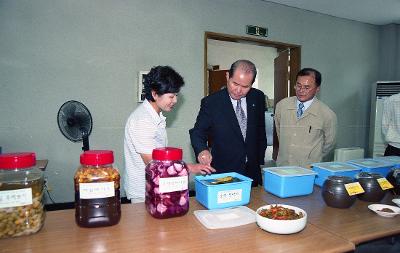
(167,184)
(335,194)
(21,195)
(97,194)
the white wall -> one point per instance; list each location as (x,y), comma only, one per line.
(224,53)
(91,51)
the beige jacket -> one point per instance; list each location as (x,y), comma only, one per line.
(308,139)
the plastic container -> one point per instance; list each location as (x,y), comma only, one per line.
(391,159)
(334,192)
(222,195)
(21,195)
(289,181)
(167,184)
(97,194)
(327,169)
(373,165)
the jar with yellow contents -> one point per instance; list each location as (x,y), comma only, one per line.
(21,195)
(97,190)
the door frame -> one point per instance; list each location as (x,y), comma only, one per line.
(294,64)
(294,61)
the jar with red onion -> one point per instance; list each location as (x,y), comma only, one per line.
(167,184)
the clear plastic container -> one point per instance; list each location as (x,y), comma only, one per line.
(21,195)
(167,184)
(97,194)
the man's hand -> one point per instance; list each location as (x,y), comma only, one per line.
(200,169)
(205,157)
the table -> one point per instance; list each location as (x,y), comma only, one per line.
(140,232)
(42,164)
(357,224)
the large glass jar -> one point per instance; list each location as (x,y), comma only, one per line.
(167,183)
(21,195)
(97,194)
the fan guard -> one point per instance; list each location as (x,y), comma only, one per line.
(75,122)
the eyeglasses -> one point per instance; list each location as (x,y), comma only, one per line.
(305,88)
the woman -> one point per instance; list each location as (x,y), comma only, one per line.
(145,129)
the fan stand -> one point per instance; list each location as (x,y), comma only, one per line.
(85,139)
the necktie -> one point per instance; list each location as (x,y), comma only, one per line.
(300,110)
(241,118)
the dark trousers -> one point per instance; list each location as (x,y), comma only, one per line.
(390,150)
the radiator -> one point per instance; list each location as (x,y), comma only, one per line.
(346,154)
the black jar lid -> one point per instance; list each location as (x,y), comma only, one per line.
(368,175)
(340,179)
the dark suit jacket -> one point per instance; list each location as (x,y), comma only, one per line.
(217,119)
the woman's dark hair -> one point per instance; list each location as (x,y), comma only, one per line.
(162,80)
(311,72)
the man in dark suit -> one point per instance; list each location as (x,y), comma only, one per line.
(234,119)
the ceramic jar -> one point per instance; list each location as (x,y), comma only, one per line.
(335,194)
(373,191)
(394,178)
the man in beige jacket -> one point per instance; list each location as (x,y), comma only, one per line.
(306,127)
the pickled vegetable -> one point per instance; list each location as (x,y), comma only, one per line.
(167,193)
(25,219)
(280,213)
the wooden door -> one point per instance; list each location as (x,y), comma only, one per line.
(281,77)
(216,80)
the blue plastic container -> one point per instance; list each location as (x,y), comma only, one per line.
(289,181)
(373,165)
(391,159)
(222,195)
(327,169)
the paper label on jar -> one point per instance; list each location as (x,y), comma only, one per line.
(173,184)
(96,190)
(229,196)
(354,188)
(13,198)
(384,183)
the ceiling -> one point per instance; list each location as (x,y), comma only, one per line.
(376,12)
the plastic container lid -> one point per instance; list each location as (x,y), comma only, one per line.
(10,161)
(292,171)
(167,154)
(335,166)
(371,163)
(97,157)
(394,159)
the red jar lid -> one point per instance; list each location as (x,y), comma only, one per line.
(17,160)
(167,154)
(97,157)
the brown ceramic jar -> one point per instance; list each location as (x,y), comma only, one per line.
(394,178)
(373,191)
(335,194)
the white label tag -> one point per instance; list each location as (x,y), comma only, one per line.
(96,190)
(229,196)
(13,198)
(173,184)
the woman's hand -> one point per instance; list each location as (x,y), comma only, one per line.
(200,169)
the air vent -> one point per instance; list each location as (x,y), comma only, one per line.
(386,89)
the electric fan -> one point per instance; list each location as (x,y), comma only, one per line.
(75,122)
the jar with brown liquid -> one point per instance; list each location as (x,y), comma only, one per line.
(97,194)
